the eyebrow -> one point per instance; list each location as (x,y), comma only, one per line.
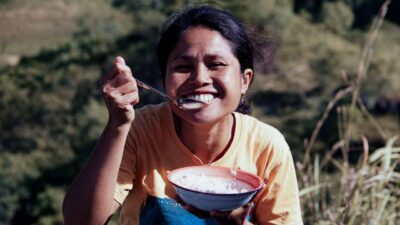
(207,56)
(183,57)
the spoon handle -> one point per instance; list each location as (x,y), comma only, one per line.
(150,88)
(186,104)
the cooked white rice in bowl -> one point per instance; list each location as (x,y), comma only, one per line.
(210,184)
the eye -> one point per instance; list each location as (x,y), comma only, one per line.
(216,65)
(183,67)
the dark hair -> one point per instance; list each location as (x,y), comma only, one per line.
(216,19)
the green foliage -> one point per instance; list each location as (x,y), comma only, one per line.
(48,206)
(337,16)
(363,10)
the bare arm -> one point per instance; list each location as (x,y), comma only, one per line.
(89,199)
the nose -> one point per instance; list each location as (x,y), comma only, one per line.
(200,76)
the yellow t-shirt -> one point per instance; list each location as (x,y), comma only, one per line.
(153,149)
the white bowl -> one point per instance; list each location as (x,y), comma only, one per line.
(212,200)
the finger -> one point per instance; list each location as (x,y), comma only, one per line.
(114,70)
(115,99)
(127,87)
(238,215)
(122,68)
(242,212)
(220,215)
(131,98)
(110,74)
(125,76)
(247,208)
(120,60)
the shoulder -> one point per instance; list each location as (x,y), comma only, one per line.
(267,141)
(260,131)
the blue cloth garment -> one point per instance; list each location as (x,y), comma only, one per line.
(166,211)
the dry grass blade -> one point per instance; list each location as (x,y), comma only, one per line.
(310,189)
(377,219)
(338,145)
(364,110)
(385,151)
(339,95)
(363,65)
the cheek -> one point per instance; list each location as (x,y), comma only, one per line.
(232,84)
(169,86)
(172,83)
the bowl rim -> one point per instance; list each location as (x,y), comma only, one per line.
(255,190)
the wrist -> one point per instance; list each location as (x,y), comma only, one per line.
(118,125)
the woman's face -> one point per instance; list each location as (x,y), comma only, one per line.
(202,66)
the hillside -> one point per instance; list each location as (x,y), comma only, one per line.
(30,26)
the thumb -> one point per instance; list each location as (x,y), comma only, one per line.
(120,60)
(247,207)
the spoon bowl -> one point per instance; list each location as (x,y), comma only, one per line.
(190,104)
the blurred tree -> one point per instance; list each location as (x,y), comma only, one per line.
(337,17)
(364,10)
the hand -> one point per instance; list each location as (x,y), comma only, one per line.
(120,93)
(235,217)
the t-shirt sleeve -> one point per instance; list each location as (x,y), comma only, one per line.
(126,174)
(279,201)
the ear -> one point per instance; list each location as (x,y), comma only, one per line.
(246,79)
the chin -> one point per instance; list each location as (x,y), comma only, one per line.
(208,115)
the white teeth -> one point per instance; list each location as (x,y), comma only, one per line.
(201,97)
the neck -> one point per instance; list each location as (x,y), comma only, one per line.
(207,141)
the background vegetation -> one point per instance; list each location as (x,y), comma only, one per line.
(329,80)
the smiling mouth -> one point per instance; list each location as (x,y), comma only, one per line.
(203,98)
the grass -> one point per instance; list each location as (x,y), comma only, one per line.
(335,190)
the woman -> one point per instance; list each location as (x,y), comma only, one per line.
(204,55)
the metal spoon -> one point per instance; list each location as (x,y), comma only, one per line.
(182,103)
